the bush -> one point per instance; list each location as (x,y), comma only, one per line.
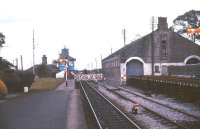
(26,78)
(3,88)
(16,80)
(12,81)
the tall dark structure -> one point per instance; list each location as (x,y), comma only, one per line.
(44,60)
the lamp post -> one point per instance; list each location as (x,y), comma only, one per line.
(33,54)
(96,62)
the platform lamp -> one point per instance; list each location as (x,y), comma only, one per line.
(66,69)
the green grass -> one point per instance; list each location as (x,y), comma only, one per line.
(46,84)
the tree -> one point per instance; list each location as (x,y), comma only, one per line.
(4,64)
(2,39)
(188,20)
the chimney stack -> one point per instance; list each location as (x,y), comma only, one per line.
(44,60)
(162,23)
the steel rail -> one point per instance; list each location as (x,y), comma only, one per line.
(161,116)
(175,109)
(99,125)
(116,109)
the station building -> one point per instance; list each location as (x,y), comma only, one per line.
(152,54)
(65,60)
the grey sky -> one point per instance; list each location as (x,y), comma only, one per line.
(89,28)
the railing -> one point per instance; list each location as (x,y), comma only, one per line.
(89,76)
(169,80)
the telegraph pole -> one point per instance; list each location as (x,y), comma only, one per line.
(88,66)
(101,59)
(96,62)
(33,53)
(91,66)
(21,63)
(124,36)
(152,47)
(16,64)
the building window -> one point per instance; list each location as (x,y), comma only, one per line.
(163,48)
(117,63)
(157,69)
(163,36)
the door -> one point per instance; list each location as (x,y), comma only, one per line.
(134,68)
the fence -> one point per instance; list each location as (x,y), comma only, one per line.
(187,70)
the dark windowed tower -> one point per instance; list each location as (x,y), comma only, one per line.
(66,59)
(65,52)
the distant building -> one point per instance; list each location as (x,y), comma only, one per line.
(65,61)
(50,70)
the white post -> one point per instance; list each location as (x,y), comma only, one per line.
(25,89)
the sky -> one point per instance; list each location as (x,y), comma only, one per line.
(89,28)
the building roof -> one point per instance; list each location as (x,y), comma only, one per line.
(140,47)
(50,67)
(134,44)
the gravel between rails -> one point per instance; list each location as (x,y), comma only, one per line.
(147,121)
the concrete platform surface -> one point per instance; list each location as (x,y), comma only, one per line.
(57,109)
(75,113)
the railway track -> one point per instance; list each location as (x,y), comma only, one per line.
(161,117)
(167,106)
(107,114)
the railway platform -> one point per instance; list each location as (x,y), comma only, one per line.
(54,109)
(75,114)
